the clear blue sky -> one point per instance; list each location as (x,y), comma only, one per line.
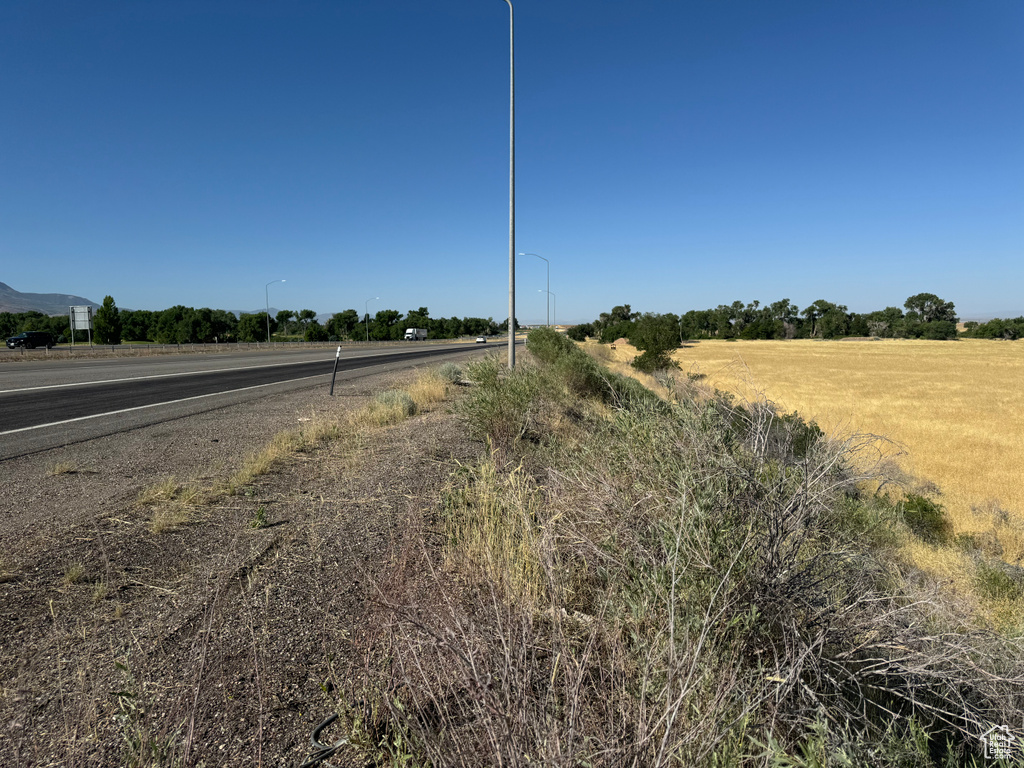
(670,155)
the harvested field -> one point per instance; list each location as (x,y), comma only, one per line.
(954,407)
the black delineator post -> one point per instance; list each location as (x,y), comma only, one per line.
(336,356)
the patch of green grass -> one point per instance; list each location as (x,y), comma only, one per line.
(926,518)
(259,518)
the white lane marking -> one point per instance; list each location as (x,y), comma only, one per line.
(155,405)
(175,375)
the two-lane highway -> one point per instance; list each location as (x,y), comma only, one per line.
(98,399)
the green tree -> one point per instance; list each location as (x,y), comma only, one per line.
(170,325)
(819,309)
(254,327)
(996,328)
(316,332)
(418,318)
(386,325)
(580,332)
(106,322)
(283,317)
(305,316)
(930,307)
(938,329)
(8,324)
(884,322)
(223,324)
(342,324)
(138,325)
(654,335)
(834,323)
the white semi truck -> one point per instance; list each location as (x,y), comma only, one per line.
(415,334)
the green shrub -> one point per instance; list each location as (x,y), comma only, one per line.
(548,345)
(580,332)
(502,405)
(652,361)
(926,519)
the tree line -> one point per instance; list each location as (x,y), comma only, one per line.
(183,325)
(926,317)
(995,329)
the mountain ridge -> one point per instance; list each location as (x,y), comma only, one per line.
(15,301)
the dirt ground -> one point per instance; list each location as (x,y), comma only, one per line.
(213,643)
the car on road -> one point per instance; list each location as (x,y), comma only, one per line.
(30,340)
(481,339)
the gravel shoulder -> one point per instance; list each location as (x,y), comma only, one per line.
(211,643)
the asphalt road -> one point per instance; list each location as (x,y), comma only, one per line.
(99,398)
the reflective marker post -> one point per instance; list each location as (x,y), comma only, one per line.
(336,356)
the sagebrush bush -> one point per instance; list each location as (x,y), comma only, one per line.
(450,372)
(390,406)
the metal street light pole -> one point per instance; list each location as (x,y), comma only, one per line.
(547,303)
(511,191)
(266,291)
(366,312)
(554,301)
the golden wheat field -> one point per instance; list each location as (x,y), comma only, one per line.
(954,407)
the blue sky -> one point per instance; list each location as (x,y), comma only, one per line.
(670,155)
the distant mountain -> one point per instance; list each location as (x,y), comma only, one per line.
(47,303)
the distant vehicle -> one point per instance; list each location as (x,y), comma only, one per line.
(30,340)
(481,339)
(415,334)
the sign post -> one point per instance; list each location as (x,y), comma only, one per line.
(81,319)
(336,356)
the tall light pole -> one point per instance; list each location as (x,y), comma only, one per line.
(266,291)
(547,303)
(366,312)
(511,191)
(554,300)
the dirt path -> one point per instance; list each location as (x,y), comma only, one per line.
(211,643)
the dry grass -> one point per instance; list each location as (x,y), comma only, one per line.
(63,468)
(170,516)
(384,409)
(955,407)
(428,389)
(159,492)
(492,528)
(177,504)
(73,574)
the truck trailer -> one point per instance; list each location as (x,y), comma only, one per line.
(415,334)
